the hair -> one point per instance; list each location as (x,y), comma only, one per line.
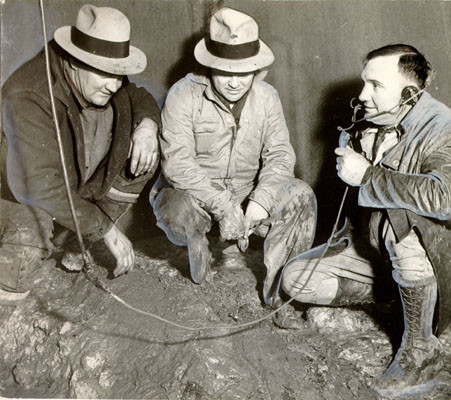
(411,62)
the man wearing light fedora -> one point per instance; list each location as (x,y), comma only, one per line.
(227,157)
(109,130)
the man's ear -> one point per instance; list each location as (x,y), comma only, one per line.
(409,95)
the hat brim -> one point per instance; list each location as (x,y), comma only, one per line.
(264,58)
(135,63)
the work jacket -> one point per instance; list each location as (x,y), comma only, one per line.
(34,169)
(412,183)
(205,153)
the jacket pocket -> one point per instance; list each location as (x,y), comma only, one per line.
(253,137)
(206,135)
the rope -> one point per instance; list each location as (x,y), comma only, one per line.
(87,259)
(84,253)
(253,322)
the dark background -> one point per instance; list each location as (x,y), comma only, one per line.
(318,45)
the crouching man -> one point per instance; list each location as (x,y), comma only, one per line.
(401,167)
(109,132)
(226,154)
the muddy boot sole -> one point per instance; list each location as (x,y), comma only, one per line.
(414,391)
(285,320)
(12,298)
(199,258)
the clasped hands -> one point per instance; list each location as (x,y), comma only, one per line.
(144,149)
(234,224)
(351,166)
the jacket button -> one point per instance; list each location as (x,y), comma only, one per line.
(396,163)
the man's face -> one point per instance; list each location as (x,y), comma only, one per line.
(232,86)
(96,86)
(383,84)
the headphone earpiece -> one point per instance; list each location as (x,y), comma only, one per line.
(409,95)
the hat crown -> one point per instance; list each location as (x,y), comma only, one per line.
(233,27)
(232,44)
(103,23)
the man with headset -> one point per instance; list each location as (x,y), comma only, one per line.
(401,165)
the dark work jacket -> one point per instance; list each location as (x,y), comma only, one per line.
(34,170)
(412,183)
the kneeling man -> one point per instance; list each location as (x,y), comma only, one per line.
(401,167)
(109,133)
(227,157)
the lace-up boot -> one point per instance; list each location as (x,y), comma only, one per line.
(418,358)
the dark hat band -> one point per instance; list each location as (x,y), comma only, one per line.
(99,47)
(232,51)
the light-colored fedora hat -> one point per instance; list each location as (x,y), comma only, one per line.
(233,44)
(101,39)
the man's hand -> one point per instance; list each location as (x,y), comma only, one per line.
(351,166)
(121,248)
(231,225)
(255,213)
(144,149)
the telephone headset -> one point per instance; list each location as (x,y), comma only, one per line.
(409,96)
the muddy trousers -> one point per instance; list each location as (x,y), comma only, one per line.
(25,239)
(289,230)
(350,277)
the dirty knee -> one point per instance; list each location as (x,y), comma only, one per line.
(319,288)
(176,208)
(303,189)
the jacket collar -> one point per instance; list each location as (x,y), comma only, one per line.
(417,113)
(409,130)
(205,81)
(60,87)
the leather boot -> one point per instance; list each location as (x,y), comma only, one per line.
(351,292)
(17,263)
(288,318)
(199,256)
(418,358)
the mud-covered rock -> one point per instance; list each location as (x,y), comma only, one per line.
(70,339)
(338,319)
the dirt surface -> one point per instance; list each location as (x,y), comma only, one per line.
(69,339)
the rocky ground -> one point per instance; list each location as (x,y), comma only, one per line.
(70,339)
